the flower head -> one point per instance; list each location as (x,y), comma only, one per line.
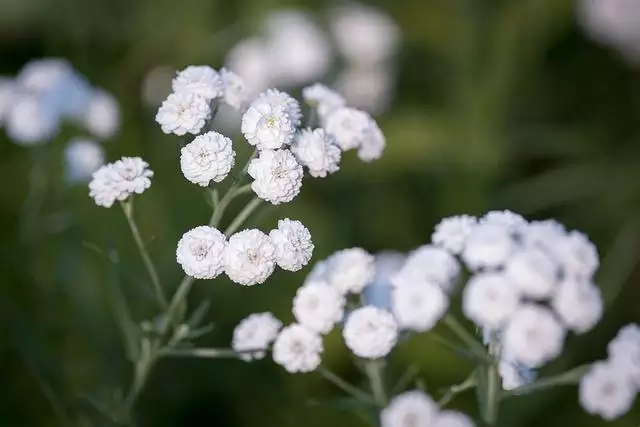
(350,270)
(429,264)
(578,304)
(318,306)
(351,128)
(624,351)
(209,157)
(235,91)
(277,99)
(606,391)
(488,246)
(200,80)
(255,332)
(318,151)
(102,117)
(183,112)
(512,221)
(30,121)
(490,300)
(325,100)
(298,349)
(370,332)
(82,158)
(533,272)
(453,419)
(452,232)
(200,252)
(293,244)
(277,176)
(266,126)
(419,305)
(410,409)
(249,258)
(120,180)
(373,145)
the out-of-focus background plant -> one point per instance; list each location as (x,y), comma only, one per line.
(531,105)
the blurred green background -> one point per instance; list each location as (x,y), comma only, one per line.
(499,104)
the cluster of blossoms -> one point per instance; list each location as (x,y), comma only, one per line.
(416,408)
(47,93)
(610,387)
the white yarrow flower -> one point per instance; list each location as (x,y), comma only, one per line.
(490,300)
(267,127)
(277,99)
(200,80)
(293,244)
(82,158)
(510,220)
(578,304)
(451,233)
(102,117)
(410,409)
(277,176)
(317,150)
(429,264)
(325,100)
(30,122)
(488,246)
(373,145)
(606,391)
(350,270)
(256,332)
(200,252)
(209,157)
(624,351)
(182,113)
(418,306)
(533,272)
(120,180)
(298,349)
(453,419)
(349,127)
(318,306)
(235,91)
(249,257)
(370,332)
(578,256)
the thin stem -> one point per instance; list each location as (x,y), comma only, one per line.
(374,370)
(405,379)
(127,207)
(178,300)
(345,386)
(148,358)
(455,390)
(243,215)
(204,353)
(475,346)
(491,402)
(570,377)
(223,204)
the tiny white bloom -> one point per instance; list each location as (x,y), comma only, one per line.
(410,409)
(317,150)
(255,332)
(277,176)
(102,117)
(373,144)
(543,234)
(278,99)
(82,158)
(249,257)
(298,349)
(533,272)
(606,391)
(235,91)
(578,304)
(624,351)
(451,233)
(370,332)
(488,246)
(293,244)
(318,272)
(31,122)
(318,306)
(490,300)
(349,127)
(533,336)
(200,252)
(120,180)
(200,80)
(350,270)
(453,419)
(209,157)
(578,256)
(419,305)
(182,113)
(511,220)
(325,100)
(429,263)
(266,126)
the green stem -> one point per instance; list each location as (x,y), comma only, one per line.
(491,401)
(242,216)
(405,379)
(223,204)
(346,387)
(374,370)
(127,207)
(455,390)
(148,358)
(474,345)
(204,353)
(176,307)
(570,377)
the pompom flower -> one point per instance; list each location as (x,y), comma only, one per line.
(82,158)
(325,100)
(349,127)
(277,99)
(183,112)
(120,180)
(578,304)
(255,332)
(488,246)
(373,145)
(490,300)
(419,305)
(624,351)
(350,270)
(266,126)
(370,332)
(30,122)
(235,91)
(200,80)
(298,349)
(277,176)
(200,252)
(102,117)
(606,391)
(209,157)
(249,257)
(410,409)
(429,264)
(293,244)
(318,151)
(533,272)
(451,233)
(318,306)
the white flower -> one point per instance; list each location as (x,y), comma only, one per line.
(41,75)
(8,93)
(578,304)
(297,349)
(431,264)
(293,244)
(350,270)
(249,258)
(182,113)
(82,158)
(267,127)
(453,419)
(410,409)
(31,122)
(511,220)
(490,300)
(543,234)
(277,176)
(378,291)
(200,252)
(370,332)
(325,100)
(318,306)
(255,332)
(533,336)
(119,180)
(102,117)
(578,256)
(606,391)
(277,99)
(349,127)
(533,272)
(624,351)
(451,233)
(488,246)
(318,151)
(318,272)
(373,144)
(418,306)
(200,80)
(249,58)
(368,88)
(209,157)
(235,91)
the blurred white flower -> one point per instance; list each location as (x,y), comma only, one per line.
(8,94)
(490,300)
(368,88)
(156,85)
(30,122)
(533,272)
(512,221)
(318,306)
(293,244)
(325,100)
(578,304)
(349,127)
(429,264)
(453,419)
(82,158)
(235,91)
(488,246)
(410,409)
(419,305)
(318,151)
(451,233)
(200,252)
(373,145)
(199,80)
(266,126)
(298,349)
(119,180)
(250,59)
(370,332)
(277,176)
(209,157)
(255,332)
(378,291)
(624,352)
(102,117)
(182,113)
(578,256)
(513,374)
(42,75)
(350,270)
(544,235)
(606,391)
(249,257)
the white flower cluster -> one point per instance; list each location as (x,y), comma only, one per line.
(120,180)
(248,257)
(417,409)
(610,387)
(253,335)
